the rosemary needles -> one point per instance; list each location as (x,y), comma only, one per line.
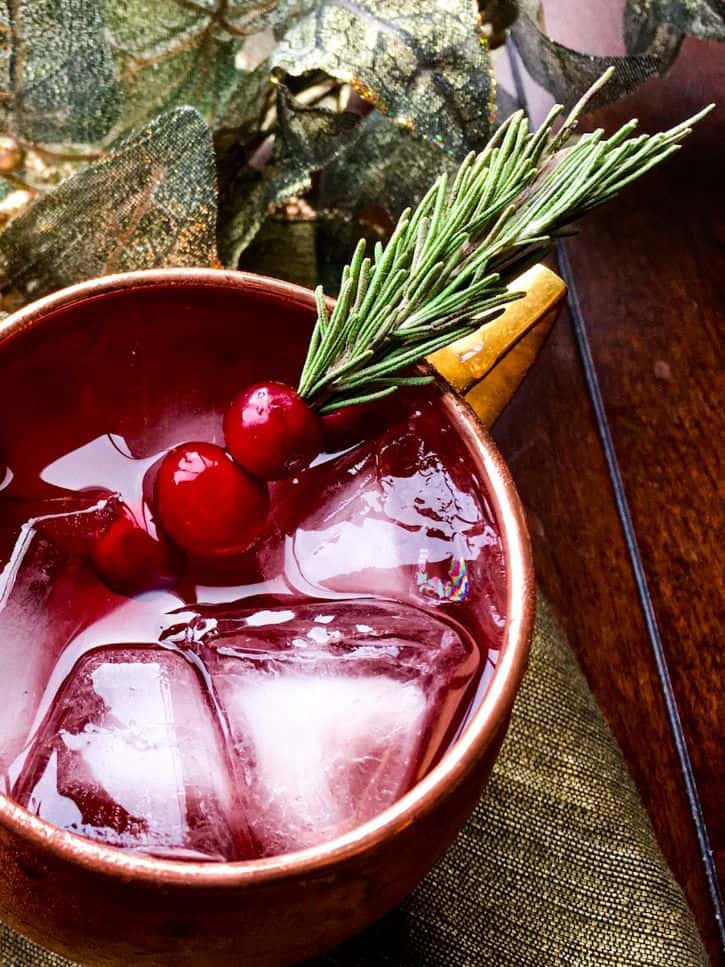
(445,269)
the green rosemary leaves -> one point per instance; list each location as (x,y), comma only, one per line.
(445,269)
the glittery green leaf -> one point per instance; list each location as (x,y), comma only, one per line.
(567,73)
(286,249)
(57,81)
(309,137)
(647,20)
(149,202)
(421,62)
(336,235)
(243,106)
(385,166)
(173,52)
(306,139)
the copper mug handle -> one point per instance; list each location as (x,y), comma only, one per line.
(487,367)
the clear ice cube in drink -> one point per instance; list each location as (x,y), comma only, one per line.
(400,516)
(132,755)
(333,707)
(46,595)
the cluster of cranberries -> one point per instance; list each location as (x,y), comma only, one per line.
(211,502)
(214,503)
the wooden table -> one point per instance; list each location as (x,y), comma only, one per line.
(648,275)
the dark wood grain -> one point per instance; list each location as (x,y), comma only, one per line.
(550,440)
(650,274)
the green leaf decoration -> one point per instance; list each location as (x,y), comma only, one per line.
(307,248)
(173,52)
(646,20)
(285,248)
(567,73)
(57,80)
(385,167)
(150,202)
(336,237)
(306,139)
(242,109)
(309,137)
(269,79)
(244,201)
(423,63)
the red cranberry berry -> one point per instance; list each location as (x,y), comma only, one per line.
(271,431)
(130,560)
(351,424)
(207,504)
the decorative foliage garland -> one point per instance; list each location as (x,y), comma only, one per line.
(135,136)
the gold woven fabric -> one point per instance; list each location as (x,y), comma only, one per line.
(558,865)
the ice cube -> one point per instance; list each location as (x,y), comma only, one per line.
(132,755)
(26,639)
(46,596)
(333,708)
(326,751)
(400,516)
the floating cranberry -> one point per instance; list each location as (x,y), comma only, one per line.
(207,504)
(130,560)
(271,431)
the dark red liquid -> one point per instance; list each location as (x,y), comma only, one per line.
(267,702)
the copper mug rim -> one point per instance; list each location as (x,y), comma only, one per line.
(457,762)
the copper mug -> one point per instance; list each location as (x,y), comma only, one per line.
(99,905)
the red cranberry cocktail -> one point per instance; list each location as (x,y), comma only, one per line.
(265,598)
(166,697)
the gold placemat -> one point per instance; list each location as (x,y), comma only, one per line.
(558,865)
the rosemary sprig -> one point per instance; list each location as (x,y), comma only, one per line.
(446,267)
